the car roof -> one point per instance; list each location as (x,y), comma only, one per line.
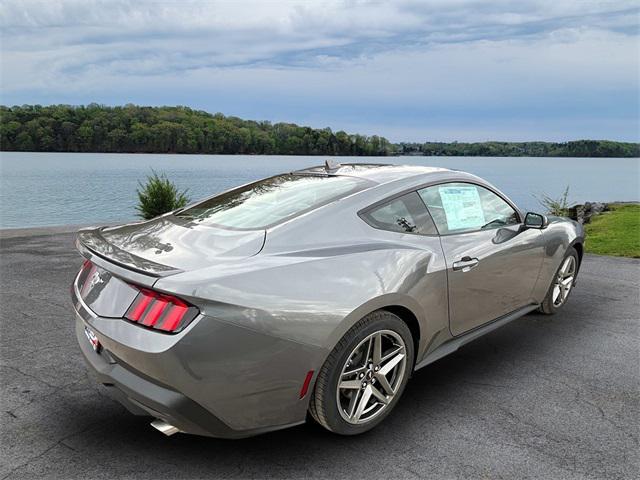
(375,172)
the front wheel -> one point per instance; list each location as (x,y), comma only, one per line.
(562,283)
(364,376)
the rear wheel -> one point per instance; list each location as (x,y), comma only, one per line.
(562,283)
(364,376)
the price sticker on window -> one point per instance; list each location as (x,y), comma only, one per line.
(462,207)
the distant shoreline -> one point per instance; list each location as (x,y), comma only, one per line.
(167,130)
(379,159)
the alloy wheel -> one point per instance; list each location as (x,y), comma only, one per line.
(564,281)
(371,376)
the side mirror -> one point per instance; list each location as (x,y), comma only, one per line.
(535,220)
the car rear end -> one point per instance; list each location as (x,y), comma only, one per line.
(192,359)
(162,356)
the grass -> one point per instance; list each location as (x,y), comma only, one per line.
(616,232)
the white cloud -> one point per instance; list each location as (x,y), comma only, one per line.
(328,61)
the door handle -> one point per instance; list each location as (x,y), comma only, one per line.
(465,264)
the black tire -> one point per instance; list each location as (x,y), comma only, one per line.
(323,405)
(547,306)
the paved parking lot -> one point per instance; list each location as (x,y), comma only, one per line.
(543,397)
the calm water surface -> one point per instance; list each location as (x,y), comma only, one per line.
(38,189)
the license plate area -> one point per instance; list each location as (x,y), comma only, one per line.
(93,339)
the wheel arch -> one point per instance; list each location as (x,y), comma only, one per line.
(403,306)
(579,247)
(408,317)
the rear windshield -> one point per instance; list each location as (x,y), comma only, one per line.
(273,200)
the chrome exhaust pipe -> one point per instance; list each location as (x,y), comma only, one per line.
(164,427)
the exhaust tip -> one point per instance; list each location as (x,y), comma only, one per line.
(164,427)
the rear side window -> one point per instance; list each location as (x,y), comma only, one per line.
(273,200)
(406,214)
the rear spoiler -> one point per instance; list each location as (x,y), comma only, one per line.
(93,246)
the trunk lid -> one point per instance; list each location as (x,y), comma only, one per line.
(167,245)
(102,292)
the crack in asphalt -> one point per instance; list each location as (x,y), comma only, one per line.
(51,447)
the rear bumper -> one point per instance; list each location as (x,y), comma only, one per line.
(213,378)
(142,396)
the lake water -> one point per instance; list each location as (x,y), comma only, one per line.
(38,189)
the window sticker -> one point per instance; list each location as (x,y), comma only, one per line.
(462,207)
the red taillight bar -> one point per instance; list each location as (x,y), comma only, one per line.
(160,311)
(140,305)
(150,308)
(174,316)
(88,269)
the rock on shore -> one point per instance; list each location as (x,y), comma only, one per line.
(582,213)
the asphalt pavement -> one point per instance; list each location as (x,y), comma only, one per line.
(543,397)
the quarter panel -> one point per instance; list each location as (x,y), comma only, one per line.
(305,300)
(312,299)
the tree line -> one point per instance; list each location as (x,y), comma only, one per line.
(136,129)
(577,148)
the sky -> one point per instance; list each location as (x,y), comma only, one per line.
(440,70)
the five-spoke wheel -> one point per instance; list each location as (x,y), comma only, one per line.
(564,280)
(371,376)
(562,283)
(365,374)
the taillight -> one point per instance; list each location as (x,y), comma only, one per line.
(87,270)
(160,311)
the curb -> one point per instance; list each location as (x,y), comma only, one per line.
(7,233)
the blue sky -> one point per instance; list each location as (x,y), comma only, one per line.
(409,70)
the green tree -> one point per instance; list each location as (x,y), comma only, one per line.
(158,196)
(132,128)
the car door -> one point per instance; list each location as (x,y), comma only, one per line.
(492,262)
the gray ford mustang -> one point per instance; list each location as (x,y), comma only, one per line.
(316,292)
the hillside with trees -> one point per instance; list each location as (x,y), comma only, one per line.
(135,129)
